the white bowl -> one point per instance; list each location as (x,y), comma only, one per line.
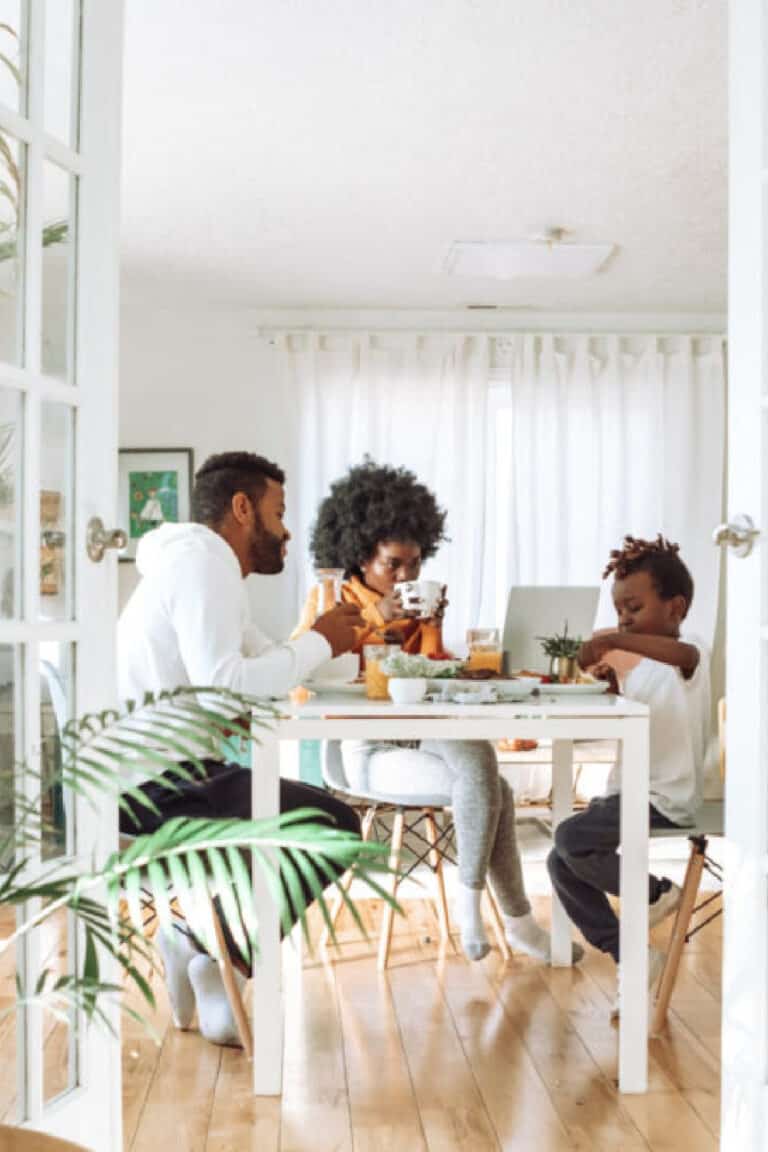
(407,690)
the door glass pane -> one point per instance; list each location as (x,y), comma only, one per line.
(11,247)
(62,49)
(58,270)
(57,955)
(10,758)
(10,503)
(56,698)
(56,511)
(9,1023)
(12,54)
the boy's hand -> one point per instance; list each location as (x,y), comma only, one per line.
(606,672)
(593,651)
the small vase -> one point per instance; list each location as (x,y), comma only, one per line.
(564,669)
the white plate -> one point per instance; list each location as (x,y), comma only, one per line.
(504,689)
(336,687)
(596,689)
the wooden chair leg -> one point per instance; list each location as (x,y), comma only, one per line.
(677,937)
(338,900)
(396,844)
(436,861)
(231,988)
(497,922)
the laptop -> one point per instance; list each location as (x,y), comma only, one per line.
(543,611)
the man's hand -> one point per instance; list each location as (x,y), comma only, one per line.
(593,651)
(339,627)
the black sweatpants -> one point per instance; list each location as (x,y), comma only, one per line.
(226,794)
(584,865)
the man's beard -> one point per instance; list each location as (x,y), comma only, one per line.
(266,552)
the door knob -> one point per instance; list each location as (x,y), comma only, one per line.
(98,539)
(738,534)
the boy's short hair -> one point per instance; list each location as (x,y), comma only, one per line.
(660,558)
(222,476)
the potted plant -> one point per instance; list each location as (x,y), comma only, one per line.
(562,651)
(192,860)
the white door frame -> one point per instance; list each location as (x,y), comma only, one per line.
(745,959)
(91,1111)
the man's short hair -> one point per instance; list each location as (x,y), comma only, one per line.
(225,474)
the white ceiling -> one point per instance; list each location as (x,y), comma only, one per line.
(326,153)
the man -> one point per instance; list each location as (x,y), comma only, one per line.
(187,624)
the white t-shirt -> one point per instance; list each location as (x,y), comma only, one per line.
(680,733)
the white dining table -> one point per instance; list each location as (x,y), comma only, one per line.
(561,719)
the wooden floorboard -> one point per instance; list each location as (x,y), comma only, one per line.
(438,1055)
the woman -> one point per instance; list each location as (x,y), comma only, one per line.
(379,524)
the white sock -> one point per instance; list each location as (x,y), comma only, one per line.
(473,938)
(176,950)
(214,1014)
(524,935)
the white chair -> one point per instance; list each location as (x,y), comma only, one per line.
(431,847)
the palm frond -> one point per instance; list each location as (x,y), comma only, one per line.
(195,864)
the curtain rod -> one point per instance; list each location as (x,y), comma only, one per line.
(265,331)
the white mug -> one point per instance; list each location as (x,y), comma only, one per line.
(421,596)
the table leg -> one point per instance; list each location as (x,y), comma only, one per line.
(562,806)
(633,939)
(267,990)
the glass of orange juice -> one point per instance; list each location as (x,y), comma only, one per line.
(485,649)
(376,680)
(329,582)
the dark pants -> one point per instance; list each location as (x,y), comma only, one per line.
(226,794)
(584,864)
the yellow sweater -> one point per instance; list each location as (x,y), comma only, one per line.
(419,636)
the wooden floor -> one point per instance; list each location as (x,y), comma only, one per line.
(439,1055)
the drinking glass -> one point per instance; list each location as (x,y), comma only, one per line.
(377,681)
(329,582)
(485,649)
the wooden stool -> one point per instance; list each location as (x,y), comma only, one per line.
(709,823)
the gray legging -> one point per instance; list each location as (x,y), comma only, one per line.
(466,773)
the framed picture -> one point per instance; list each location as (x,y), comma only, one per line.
(154,488)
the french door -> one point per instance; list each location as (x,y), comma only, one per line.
(745,960)
(60,76)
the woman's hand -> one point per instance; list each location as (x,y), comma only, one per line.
(391,608)
(442,604)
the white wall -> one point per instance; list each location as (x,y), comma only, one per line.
(204,380)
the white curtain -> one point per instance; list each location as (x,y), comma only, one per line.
(414,400)
(544,449)
(596,437)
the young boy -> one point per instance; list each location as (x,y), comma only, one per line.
(652,593)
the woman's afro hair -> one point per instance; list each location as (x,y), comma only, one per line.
(369,505)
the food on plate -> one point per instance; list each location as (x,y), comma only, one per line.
(517,745)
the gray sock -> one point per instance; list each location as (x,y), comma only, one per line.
(214,1014)
(176,950)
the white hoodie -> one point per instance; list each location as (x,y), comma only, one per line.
(187,623)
